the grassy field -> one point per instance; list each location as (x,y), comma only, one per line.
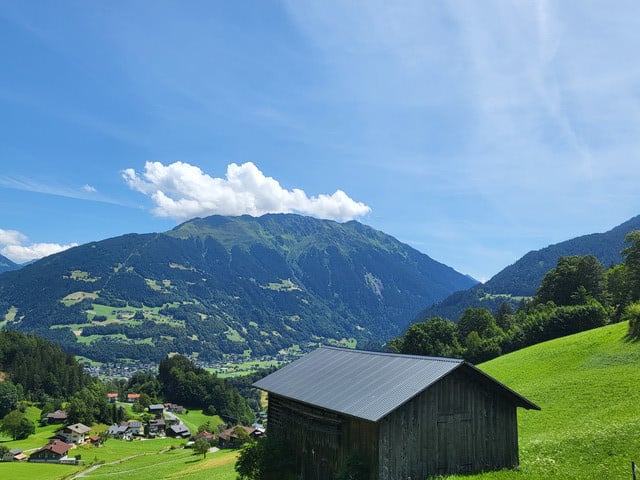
(194,418)
(588,386)
(139,460)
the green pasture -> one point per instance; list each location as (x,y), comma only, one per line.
(244,368)
(170,463)
(194,418)
(139,460)
(588,386)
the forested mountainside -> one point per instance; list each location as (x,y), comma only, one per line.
(523,277)
(7,265)
(226,285)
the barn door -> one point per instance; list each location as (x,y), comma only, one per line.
(454,443)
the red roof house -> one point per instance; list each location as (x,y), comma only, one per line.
(51,453)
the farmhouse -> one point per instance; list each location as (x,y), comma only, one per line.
(133,397)
(76,433)
(229,438)
(59,416)
(401,415)
(54,452)
(157,410)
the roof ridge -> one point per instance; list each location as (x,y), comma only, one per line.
(393,354)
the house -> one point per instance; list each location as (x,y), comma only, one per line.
(230,439)
(174,408)
(15,454)
(179,431)
(133,397)
(208,436)
(57,417)
(118,431)
(156,426)
(401,415)
(54,452)
(134,427)
(76,433)
(157,410)
(112,397)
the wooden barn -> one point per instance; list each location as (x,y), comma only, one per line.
(402,416)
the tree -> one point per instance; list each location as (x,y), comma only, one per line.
(89,405)
(561,284)
(17,425)
(617,288)
(434,337)
(478,320)
(201,446)
(205,427)
(250,461)
(505,317)
(632,262)
(632,315)
(267,459)
(9,397)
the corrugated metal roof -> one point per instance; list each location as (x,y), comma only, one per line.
(367,385)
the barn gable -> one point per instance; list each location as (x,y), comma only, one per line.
(403,415)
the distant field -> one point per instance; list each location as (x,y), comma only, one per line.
(588,386)
(244,368)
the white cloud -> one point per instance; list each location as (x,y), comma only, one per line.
(13,247)
(184,191)
(11,237)
(89,188)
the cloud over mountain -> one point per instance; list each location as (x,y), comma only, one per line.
(184,191)
(12,246)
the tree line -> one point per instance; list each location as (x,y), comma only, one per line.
(577,294)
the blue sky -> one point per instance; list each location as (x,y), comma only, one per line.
(473,131)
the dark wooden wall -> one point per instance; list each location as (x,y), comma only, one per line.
(458,425)
(321,441)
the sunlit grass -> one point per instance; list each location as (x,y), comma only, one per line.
(588,387)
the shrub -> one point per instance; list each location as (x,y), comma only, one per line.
(632,315)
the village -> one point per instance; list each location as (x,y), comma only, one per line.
(157,421)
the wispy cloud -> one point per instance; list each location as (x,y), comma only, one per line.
(14,245)
(540,96)
(85,192)
(183,191)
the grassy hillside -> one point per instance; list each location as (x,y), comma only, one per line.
(588,386)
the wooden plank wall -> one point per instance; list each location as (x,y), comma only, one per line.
(322,440)
(458,425)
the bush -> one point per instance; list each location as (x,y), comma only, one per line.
(632,315)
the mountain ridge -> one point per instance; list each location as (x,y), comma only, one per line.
(219,285)
(523,277)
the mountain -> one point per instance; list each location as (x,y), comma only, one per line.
(7,265)
(523,278)
(226,285)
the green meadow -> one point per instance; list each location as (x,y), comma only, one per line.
(588,386)
(140,460)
